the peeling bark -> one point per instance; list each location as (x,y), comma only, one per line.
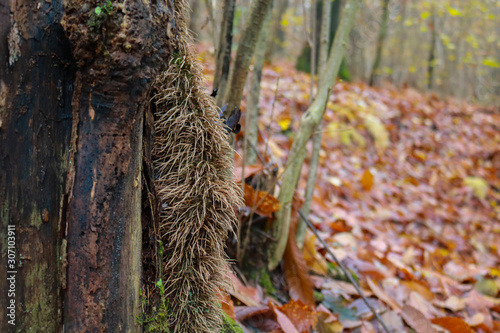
(74,83)
(36,86)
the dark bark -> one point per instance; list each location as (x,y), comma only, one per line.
(71,156)
(380,43)
(104,212)
(244,54)
(223,61)
(36,87)
(432,53)
(304,61)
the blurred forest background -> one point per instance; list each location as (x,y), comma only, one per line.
(450,47)
(401,179)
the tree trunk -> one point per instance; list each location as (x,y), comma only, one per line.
(244,54)
(277,35)
(432,52)
(316,147)
(380,43)
(74,83)
(36,88)
(253,95)
(309,122)
(223,60)
(304,61)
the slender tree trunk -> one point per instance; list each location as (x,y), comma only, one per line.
(309,122)
(313,165)
(223,61)
(277,34)
(252,110)
(195,15)
(380,43)
(213,21)
(74,83)
(244,54)
(432,53)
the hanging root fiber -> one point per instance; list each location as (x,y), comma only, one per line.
(194,182)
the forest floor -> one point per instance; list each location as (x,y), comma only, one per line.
(407,197)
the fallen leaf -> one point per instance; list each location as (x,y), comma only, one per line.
(382,295)
(453,324)
(227,305)
(393,321)
(315,261)
(453,303)
(296,271)
(285,322)
(264,203)
(367,180)
(419,288)
(416,320)
(303,317)
(246,295)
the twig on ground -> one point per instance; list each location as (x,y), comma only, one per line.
(344,270)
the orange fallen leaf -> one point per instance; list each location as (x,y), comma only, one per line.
(296,271)
(453,324)
(285,322)
(264,202)
(420,288)
(227,305)
(303,316)
(367,180)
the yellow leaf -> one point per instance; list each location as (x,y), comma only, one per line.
(315,261)
(284,22)
(284,123)
(487,287)
(412,69)
(425,15)
(491,62)
(478,185)
(378,131)
(453,11)
(367,180)
(495,272)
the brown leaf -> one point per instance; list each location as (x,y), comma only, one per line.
(264,202)
(416,320)
(245,312)
(420,288)
(303,317)
(297,278)
(227,305)
(247,295)
(453,324)
(382,295)
(285,322)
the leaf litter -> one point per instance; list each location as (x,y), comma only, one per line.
(407,196)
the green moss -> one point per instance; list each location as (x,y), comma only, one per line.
(264,279)
(99,15)
(39,306)
(158,320)
(318,296)
(36,217)
(230,326)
